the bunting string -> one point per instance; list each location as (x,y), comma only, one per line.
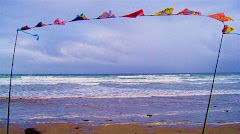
(166,12)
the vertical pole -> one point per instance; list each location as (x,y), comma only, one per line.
(210,97)
(10,85)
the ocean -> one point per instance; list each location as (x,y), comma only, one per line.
(120,98)
(130,85)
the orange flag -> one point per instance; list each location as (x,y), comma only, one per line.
(221,17)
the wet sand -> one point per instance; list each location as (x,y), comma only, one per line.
(168,115)
(166,110)
(129,128)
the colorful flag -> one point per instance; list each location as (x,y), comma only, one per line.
(221,17)
(59,22)
(24,28)
(167,11)
(227,29)
(80,17)
(40,24)
(135,14)
(189,12)
(107,15)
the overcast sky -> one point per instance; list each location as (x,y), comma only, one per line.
(171,44)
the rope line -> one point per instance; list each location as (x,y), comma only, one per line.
(89,19)
(210,96)
(10,85)
(235,33)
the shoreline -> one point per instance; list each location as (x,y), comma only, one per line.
(120,128)
(152,110)
(110,97)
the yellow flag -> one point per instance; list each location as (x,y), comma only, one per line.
(227,29)
(167,11)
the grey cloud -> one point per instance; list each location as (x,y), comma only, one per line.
(145,44)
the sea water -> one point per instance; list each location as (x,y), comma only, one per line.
(129,85)
(121,97)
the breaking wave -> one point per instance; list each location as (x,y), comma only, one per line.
(97,86)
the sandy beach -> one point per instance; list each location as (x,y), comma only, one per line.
(130,128)
(118,116)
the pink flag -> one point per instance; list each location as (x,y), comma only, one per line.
(59,22)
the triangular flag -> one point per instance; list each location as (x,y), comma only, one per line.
(80,17)
(59,22)
(40,24)
(227,29)
(135,14)
(189,12)
(24,28)
(167,11)
(221,17)
(107,15)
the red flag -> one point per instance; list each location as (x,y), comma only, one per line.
(135,14)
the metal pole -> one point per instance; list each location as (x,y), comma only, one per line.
(210,97)
(10,85)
